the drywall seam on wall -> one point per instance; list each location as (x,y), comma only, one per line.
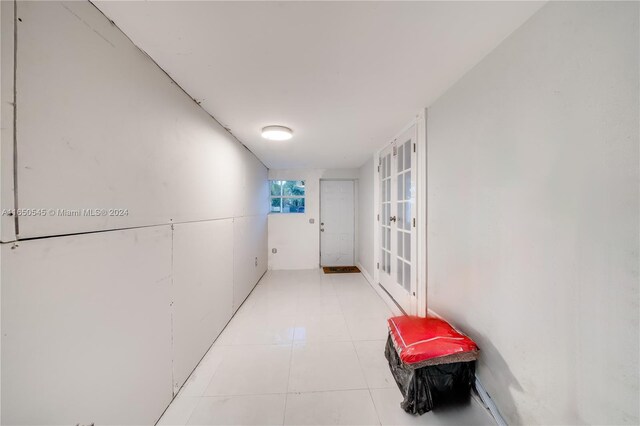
(177,84)
(171,312)
(176,392)
(131,227)
(7,119)
(174,287)
(172,152)
(15,116)
(108,292)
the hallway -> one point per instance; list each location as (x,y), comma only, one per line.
(173,174)
(304,348)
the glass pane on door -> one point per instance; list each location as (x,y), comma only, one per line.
(404,215)
(385,210)
(397,173)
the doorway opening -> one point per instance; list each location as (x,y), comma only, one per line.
(400,223)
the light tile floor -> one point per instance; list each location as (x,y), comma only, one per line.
(304,349)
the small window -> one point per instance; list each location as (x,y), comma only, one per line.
(287,196)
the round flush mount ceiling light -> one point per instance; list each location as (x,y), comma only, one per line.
(277,133)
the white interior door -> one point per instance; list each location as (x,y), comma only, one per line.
(397,220)
(337,217)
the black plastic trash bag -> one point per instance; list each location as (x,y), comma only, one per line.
(433,386)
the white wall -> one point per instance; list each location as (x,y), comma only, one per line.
(533,215)
(200,310)
(86,328)
(297,240)
(104,327)
(7,223)
(87,127)
(366,217)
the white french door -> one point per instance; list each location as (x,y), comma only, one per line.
(397,212)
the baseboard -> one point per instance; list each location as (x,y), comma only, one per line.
(365,273)
(482,393)
(485,398)
(383,294)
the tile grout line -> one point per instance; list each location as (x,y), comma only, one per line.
(200,397)
(344,315)
(286,395)
(365,380)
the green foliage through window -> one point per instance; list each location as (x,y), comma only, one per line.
(287,196)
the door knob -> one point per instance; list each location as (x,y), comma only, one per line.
(392,219)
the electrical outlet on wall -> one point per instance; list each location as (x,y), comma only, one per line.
(274,250)
(256,262)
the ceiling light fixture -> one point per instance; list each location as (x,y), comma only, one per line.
(277,133)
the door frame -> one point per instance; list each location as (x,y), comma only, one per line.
(419,301)
(355,215)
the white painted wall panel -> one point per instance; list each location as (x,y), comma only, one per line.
(250,255)
(366,218)
(107,129)
(533,215)
(101,126)
(201,291)
(86,328)
(7,18)
(253,199)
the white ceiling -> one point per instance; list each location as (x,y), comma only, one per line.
(345,76)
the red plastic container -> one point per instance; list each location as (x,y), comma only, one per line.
(419,340)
